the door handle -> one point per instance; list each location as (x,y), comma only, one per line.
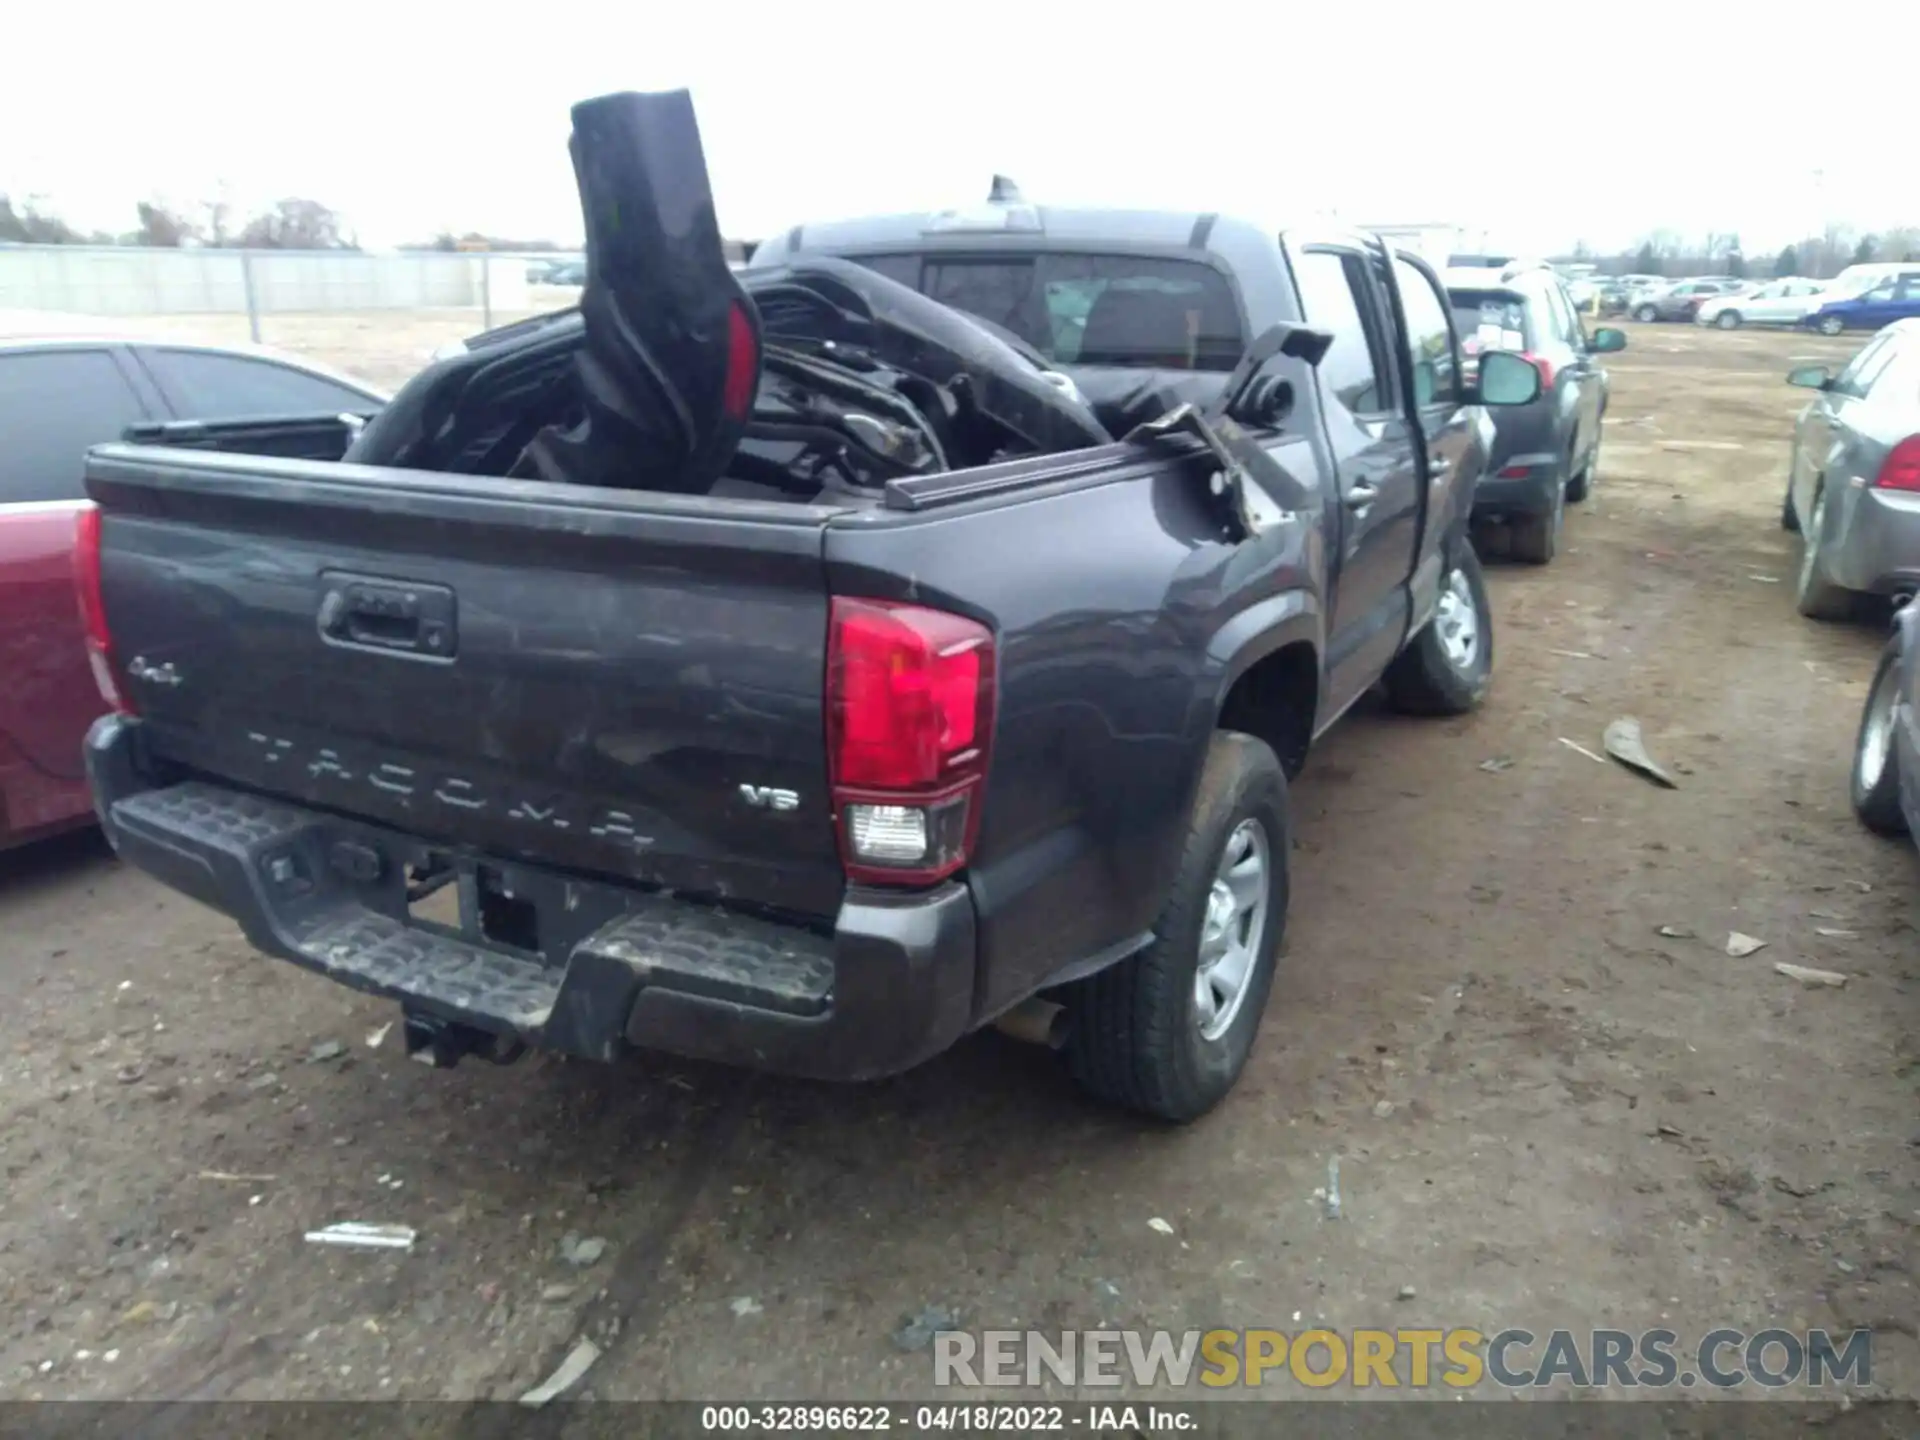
(398,616)
(1361,494)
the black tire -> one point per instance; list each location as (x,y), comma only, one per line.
(1728,319)
(1135,1038)
(1831,325)
(1815,596)
(1874,782)
(1789,517)
(1580,486)
(1535,539)
(1423,679)
(1646,314)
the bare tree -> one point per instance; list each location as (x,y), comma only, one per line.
(1900,243)
(163,226)
(296,224)
(28,222)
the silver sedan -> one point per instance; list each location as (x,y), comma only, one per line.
(1853,488)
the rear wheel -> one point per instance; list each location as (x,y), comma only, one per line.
(1817,597)
(1581,485)
(1789,519)
(1728,319)
(1875,787)
(1448,667)
(1168,1031)
(1831,325)
(1536,538)
(1646,314)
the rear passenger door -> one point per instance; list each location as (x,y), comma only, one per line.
(1375,452)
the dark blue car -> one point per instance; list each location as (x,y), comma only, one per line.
(1892,297)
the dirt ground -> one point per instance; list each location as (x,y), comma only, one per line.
(1548,1112)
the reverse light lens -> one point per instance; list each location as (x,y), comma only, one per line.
(888,834)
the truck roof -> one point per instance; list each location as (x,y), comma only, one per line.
(1022,226)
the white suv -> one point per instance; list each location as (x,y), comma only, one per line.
(1778,302)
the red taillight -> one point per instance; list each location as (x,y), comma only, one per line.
(743,363)
(1901,471)
(909,718)
(1545,367)
(1515,472)
(93,611)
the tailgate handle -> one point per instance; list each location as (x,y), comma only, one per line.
(370,612)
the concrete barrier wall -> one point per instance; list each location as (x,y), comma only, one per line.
(129,280)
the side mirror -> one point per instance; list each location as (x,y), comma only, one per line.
(1810,377)
(1507,379)
(1606,340)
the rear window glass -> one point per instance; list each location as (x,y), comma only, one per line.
(1127,311)
(1489,320)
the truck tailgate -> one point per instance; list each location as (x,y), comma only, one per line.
(618,682)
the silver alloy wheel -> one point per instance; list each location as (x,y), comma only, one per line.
(1728,320)
(1810,540)
(1832,325)
(1876,731)
(1457,622)
(1233,929)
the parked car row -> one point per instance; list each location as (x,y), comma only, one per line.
(1880,297)
(1861,297)
(1680,300)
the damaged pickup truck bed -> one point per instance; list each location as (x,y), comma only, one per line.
(805,668)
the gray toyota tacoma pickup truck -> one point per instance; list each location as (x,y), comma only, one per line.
(804,667)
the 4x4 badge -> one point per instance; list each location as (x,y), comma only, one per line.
(154,674)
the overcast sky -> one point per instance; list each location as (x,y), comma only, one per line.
(1551,124)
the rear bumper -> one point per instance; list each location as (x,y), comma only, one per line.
(1875,544)
(612,966)
(1523,439)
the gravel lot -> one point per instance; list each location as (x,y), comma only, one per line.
(1547,1111)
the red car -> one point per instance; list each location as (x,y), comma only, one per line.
(62,390)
